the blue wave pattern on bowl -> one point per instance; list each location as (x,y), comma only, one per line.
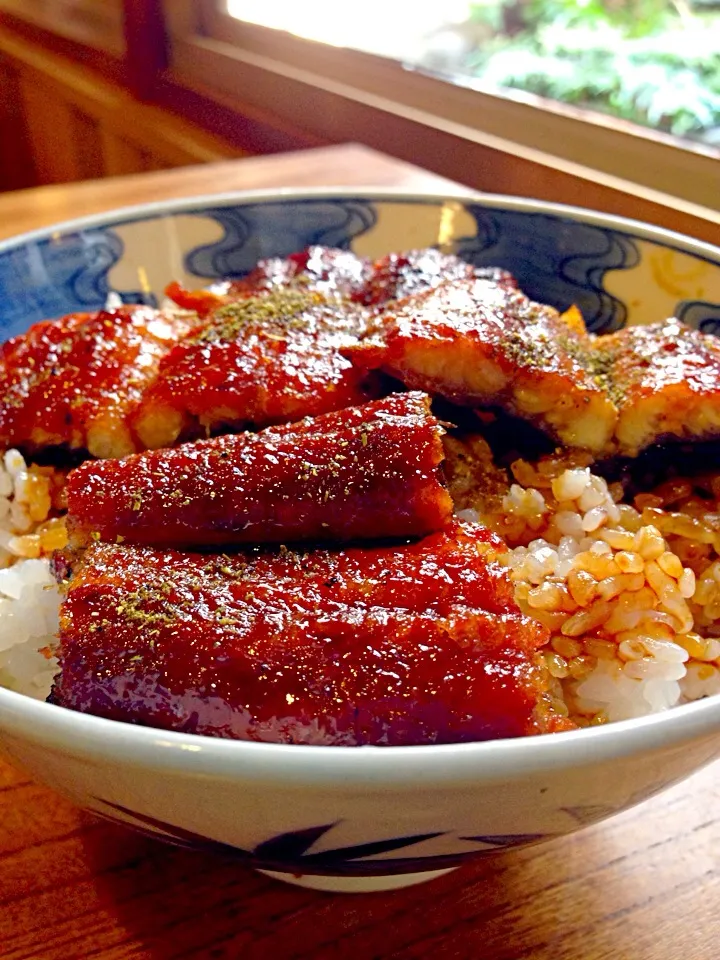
(257,230)
(701,314)
(543,250)
(561,262)
(558,260)
(49,278)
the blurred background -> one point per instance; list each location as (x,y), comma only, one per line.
(627,89)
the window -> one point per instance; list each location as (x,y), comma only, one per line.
(654,62)
(395,94)
(401,30)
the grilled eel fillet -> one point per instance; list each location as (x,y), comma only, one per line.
(261,360)
(481,342)
(664,380)
(337,272)
(76,382)
(397,645)
(367,472)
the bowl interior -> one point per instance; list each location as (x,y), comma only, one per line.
(615,271)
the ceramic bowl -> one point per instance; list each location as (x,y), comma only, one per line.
(359,818)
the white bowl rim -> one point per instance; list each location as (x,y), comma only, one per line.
(147,211)
(78,734)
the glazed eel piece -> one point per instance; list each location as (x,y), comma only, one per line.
(330,270)
(388,645)
(665,381)
(75,382)
(261,360)
(326,270)
(482,342)
(362,473)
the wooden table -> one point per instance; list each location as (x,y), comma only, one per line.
(644,886)
(342,166)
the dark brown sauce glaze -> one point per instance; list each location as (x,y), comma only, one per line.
(362,473)
(74,383)
(482,342)
(257,361)
(397,645)
(399,275)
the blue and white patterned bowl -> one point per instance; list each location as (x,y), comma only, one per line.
(615,271)
(365,818)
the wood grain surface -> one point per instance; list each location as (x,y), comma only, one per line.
(643,886)
(348,165)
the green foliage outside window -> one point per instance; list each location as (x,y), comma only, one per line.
(656,62)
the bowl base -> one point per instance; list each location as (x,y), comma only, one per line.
(355,884)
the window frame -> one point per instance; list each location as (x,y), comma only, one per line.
(267,91)
(336,90)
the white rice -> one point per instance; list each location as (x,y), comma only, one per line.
(616,596)
(29,596)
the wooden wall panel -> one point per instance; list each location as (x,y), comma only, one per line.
(121,156)
(79,126)
(86,133)
(50,124)
(17,169)
(65,140)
